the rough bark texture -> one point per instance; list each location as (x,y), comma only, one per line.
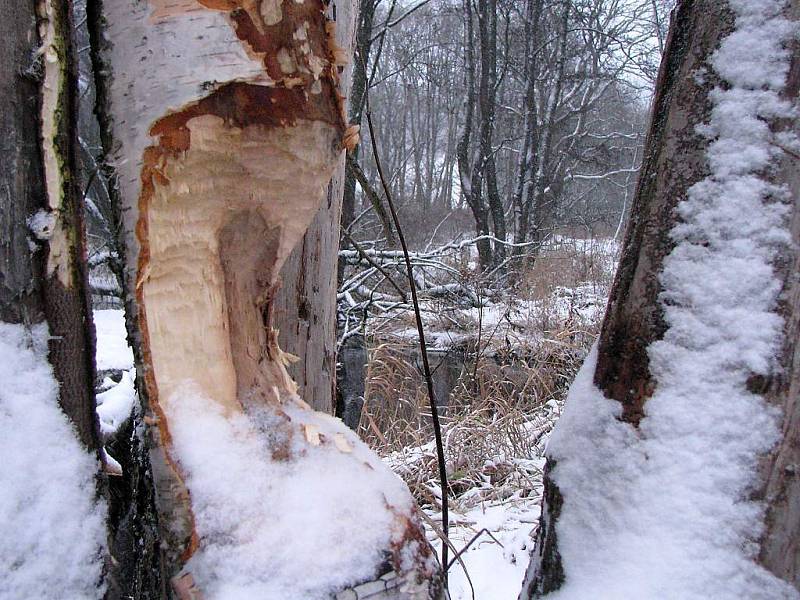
(780,544)
(351,366)
(137,569)
(545,572)
(674,160)
(66,294)
(22,195)
(305,304)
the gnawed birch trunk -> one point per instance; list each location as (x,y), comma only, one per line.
(225,123)
(675,160)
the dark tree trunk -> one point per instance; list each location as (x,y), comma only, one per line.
(471,172)
(536,212)
(358,91)
(674,160)
(527,157)
(780,544)
(22,192)
(42,247)
(487,100)
(351,380)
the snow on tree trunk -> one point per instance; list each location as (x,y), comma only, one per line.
(225,123)
(53,525)
(671,456)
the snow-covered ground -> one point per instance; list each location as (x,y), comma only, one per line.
(497,518)
(53,527)
(117,399)
(113,352)
(496,563)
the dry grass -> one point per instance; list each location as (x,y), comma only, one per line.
(493,424)
(568,264)
(505,396)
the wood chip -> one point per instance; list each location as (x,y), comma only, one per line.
(277,394)
(312,434)
(302,403)
(342,444)
(185,588)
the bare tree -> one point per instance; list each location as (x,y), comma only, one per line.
(544,104)
(471,171)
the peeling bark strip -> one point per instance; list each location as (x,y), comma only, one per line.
(225,124)
(57,228)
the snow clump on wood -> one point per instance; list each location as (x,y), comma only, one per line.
(288,503)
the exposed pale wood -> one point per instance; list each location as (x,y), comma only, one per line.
(217,238)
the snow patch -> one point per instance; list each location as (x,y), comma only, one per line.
(661,512)
(496,563)
(42,224)
(115,405)
(53,528)
(113,352)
